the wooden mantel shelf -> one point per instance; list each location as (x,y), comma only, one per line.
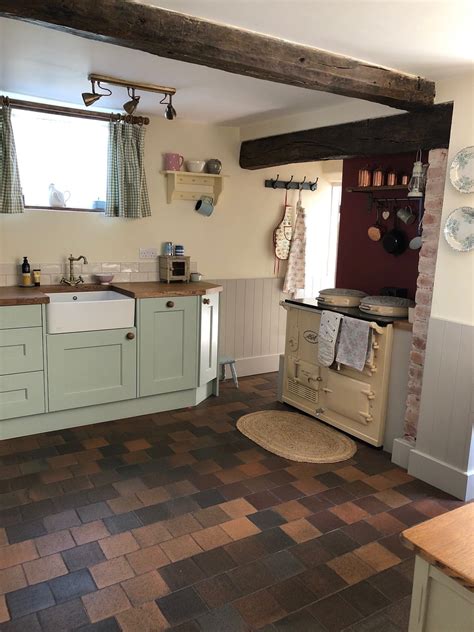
(187,185)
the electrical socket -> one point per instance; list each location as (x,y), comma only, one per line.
(148,253)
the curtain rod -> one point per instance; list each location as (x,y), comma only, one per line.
(66,111)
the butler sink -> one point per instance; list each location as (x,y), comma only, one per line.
(88,311)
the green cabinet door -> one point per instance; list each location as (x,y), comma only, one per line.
(168,344)
(91,367)
(21,394)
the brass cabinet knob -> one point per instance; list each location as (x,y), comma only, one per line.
(206,301)
(130,335)
(170,304)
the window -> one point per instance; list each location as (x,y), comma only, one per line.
(66,151)
(321,244)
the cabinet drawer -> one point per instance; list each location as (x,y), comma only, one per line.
(21,394)
(189,179)
(21,350)
(14,316)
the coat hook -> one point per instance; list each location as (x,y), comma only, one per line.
(287,187)
(274,182)
(313,185)
(301,185)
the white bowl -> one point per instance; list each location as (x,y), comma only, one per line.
(195,166)
(104,279)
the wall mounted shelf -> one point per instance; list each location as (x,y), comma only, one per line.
(185,185)
(397,188)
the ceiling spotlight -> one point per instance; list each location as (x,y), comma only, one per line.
(170,112)
(131,105)
(90,98)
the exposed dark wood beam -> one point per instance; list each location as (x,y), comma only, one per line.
(178,36)
(386,135)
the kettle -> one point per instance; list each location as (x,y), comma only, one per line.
(57,198)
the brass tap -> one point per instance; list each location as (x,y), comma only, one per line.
(72,280)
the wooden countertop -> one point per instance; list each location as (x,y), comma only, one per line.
(37,295)
(22,296)
(447,542)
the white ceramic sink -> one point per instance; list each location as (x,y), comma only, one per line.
(88,311)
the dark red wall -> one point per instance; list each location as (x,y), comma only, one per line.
(361,263)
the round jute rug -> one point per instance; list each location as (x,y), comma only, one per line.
(296,437)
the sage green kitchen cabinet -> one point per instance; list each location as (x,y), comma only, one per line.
(21,394)
(209,338)
(91,367)
(21,350)
(168,344)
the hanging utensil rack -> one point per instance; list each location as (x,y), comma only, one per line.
(291,184)
(371,198)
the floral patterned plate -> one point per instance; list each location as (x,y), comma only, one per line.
(459,229)
(461,172)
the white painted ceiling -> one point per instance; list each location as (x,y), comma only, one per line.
(425,37)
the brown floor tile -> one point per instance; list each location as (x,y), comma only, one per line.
(237,508)
(54,543)
(147,587)
(349,513)
(240,528)
(326,521)
(4,614)
(148,559)
(211,516)
(301,530)
(182,525)
(211,537)
(399,476)
(259,609)
(251,577)
(146,618)
(377,556)
(180,548)
(362,532)
(111,572)
(335,613)
(311,553)
(351,568)
(371,505)
(119,544)
(217,590)
(14,554)
(105,603)
(351,473)
(386,524)
(12,578)
(292,510)
(3,537)
(151,534)
(262,500)
(62,520)
(291,594)
(89,532)
(55,476)
(392,498)
(130,486)
(428,507)
(95,442)
(253,469)
(152,496)
(124,504)
(44,569)
(137,444)
(380,482)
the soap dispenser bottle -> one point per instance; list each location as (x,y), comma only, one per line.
(25,272)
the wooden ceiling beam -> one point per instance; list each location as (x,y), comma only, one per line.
(177,36)
(429,129)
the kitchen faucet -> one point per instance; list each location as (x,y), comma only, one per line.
(72,280)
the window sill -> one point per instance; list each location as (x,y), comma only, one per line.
(64,208)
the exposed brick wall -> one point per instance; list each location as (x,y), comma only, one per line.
(426,270)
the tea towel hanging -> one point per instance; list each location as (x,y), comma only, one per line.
(282,235)
(354,343)
(296,271)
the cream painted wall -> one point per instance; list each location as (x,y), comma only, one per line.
(235,242)
(453,294)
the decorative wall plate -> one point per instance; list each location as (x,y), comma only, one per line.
(461,172)
(459,229)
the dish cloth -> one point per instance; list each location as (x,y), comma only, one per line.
(328,332)
(353,348)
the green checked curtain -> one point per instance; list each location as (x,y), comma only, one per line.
(11,198)
(127,194)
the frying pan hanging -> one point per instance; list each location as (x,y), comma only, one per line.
(395,241)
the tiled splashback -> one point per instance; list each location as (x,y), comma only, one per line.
(52,273)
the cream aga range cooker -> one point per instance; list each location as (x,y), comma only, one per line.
(353,401)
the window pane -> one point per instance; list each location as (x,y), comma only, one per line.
(69,152)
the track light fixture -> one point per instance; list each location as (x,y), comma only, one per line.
(90,98)
(130,106)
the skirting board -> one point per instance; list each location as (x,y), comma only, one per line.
(45,422)
(401,449)
(255,365)
(441,475)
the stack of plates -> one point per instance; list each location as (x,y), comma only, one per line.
(386,305)
(340,297)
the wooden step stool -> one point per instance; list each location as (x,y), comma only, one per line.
(223,360)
